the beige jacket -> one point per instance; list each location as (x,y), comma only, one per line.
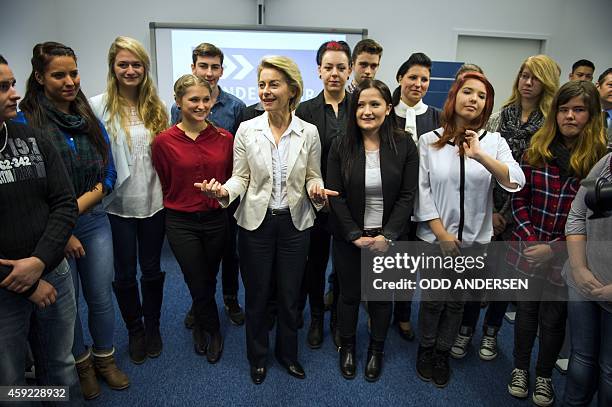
(252,173)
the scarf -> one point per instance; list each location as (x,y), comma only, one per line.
(517,134)
(410,114)
(561,157)
(84,163)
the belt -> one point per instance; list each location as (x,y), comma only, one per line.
(281,211)
(371,232)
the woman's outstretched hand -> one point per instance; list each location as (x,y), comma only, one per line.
(212,189)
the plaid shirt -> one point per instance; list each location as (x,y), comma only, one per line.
(540,210)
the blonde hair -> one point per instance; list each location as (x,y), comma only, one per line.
(591,143)
(290,71)
(547,71)
(150,108)
(185,82)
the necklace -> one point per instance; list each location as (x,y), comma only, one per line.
(6,137)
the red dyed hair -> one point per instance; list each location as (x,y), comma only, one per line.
(448,111)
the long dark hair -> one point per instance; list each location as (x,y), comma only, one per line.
(351,145)
(42,54)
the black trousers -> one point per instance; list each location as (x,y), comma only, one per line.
(272,256)
(313,287)
(550,315)
(198,241)
(347,263)
(230,270)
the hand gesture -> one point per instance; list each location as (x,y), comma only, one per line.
(74,248)
(212,189)
(586,281)
(363,242)
(44,295)
(471,145)
(25,273)
(449,245)
(379,245)
(603,293)
(538,255)
(319,195)
(499,223)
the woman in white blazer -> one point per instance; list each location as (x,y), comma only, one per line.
(276,161)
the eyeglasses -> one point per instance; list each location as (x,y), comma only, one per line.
(525,77)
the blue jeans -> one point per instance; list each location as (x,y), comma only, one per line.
(590,366)
(95,273)
(50,332)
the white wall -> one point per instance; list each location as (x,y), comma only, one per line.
(573,29)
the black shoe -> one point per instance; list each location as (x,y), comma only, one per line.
(258,374)
(315,333)
(441,369)
(406,334)
(153,341)
(348,367)
(294,369)
(424,365)
(234,312)
(137,346)
(374,365)
(200,340)
(189,319)
(215,348)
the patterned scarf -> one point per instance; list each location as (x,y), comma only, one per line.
(84,164)
(517,134)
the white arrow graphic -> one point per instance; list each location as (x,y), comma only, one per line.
(246,67)
(228,67)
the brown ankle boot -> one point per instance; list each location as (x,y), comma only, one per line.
(87,377)
(106,367)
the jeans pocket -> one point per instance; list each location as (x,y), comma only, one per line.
(62,269)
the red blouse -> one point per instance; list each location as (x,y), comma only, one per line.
(181,161)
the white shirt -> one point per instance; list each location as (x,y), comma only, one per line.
(280,156)
(373,214)
(440,193)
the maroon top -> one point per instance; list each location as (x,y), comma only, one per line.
(181,161)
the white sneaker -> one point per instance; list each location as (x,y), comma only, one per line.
(544,394)
(519,383)
(488,345)
(462,341)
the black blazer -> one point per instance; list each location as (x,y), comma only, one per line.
(399,173)
(313,111)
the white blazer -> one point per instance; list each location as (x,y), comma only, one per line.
(252,172)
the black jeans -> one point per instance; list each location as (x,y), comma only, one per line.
(272,256)
(551,317)
(313,287)
(231,262)
(198,241)
(493,318)
(136,239)
(347,263)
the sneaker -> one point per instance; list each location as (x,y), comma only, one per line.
(234,312)
(488,345)
(544,394)
(462,341)
(519,383)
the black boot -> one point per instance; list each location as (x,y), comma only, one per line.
(315,332)
(441,368)
(152,296)
(348,366)
(424,365)
(374,363)
(131,311)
